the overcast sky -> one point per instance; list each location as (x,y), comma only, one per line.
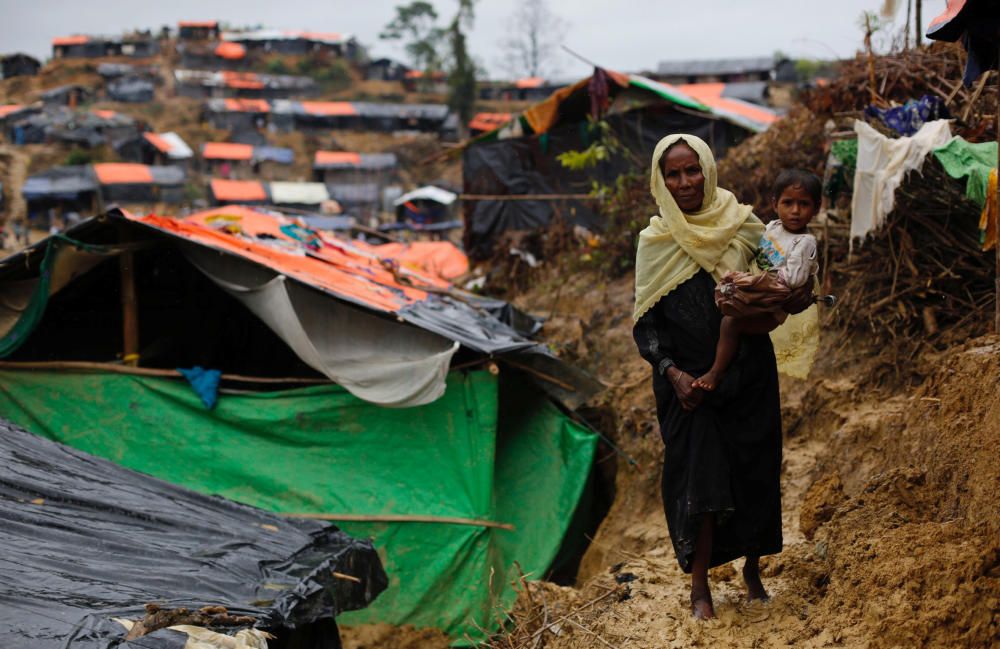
(628,36)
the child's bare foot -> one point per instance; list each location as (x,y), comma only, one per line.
(701,605)
(751,577)
(706,382)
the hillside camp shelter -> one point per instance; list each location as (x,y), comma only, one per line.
(248,85)
(237,114)
(58,124)
(425,205)
(244,161)
(761,68)
(296,42)
(361,200)
(213,56)
(65,509)
(19,65)
(133,90)
(137,45)
(349,167)
(56,192)
(70,95)
(520,157)
(128,182)
(377,368)
(198,30)
(239,192)
(156,149)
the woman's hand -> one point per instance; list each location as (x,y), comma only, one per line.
(689,396)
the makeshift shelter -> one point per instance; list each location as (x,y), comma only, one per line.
(248,85)
(237,114)
(156,149)
(128,182)
(244,192)
(244,161)
(348,167)
(134,89)
(79,46)
(520,158)
(486,471)
(295,42)
(89,544)
(56,192)
(19,65)
(198,30)
(486,122)
(305,196)
(386,70)
(71,95)
(425,205)
(360,200)
(761,68)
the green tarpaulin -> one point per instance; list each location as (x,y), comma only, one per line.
(482,452)
(961,158)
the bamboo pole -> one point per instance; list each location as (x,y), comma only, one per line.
(918,32)
(90,366)
(403,518)
(130,309)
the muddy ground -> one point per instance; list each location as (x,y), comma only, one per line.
(892,532)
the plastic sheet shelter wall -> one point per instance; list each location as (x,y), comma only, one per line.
(528,164)
(441,483)
(86,540)
(521,157)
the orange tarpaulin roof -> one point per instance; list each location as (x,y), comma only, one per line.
(226,151)
(70,40)
(441,258)
(337,157)
(336,267)
(210,24)
(241,80)
(331,108)
(320,36)
(157,141)
(230,51)
(529,82)
(122,173)
(488,121)
(104,114)
(248,105)
(238,190)
(8,109)
(710,94)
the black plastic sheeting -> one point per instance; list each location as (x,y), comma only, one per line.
(528,166)
(85,540)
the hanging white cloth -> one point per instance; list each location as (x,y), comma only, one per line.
(882,164)
(379,360)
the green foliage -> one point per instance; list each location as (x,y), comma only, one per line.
(276,66)
(79,157)
(416,25)
(604,146)
(462,71)
(193,192)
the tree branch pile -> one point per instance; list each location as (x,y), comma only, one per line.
(921,280)
(931,70)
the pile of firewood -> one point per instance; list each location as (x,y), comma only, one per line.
(921,280)
(930,70)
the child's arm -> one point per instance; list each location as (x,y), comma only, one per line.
(800,262)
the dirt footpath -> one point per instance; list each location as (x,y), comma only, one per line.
(892,533)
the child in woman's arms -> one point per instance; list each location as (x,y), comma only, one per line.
(754,304)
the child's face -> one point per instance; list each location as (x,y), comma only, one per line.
(795,207)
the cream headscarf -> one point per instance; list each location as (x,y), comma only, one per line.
(720,237)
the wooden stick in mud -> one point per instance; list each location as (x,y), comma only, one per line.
(401,518)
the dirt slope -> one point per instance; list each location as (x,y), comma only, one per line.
(899,541)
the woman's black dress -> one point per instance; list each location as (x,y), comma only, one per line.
(725,456)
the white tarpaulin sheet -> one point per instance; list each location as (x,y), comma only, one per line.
(284,193)
(882,165)
(375,359)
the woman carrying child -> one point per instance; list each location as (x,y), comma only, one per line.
(722,455)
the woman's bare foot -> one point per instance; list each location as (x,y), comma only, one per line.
(751,577)
(706,382)
(701,604)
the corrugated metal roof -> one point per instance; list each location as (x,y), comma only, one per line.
(713,67)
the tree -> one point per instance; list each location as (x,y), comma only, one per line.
(416,23)
(531,48)
(462,69)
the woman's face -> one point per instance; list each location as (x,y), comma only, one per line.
(683,177)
